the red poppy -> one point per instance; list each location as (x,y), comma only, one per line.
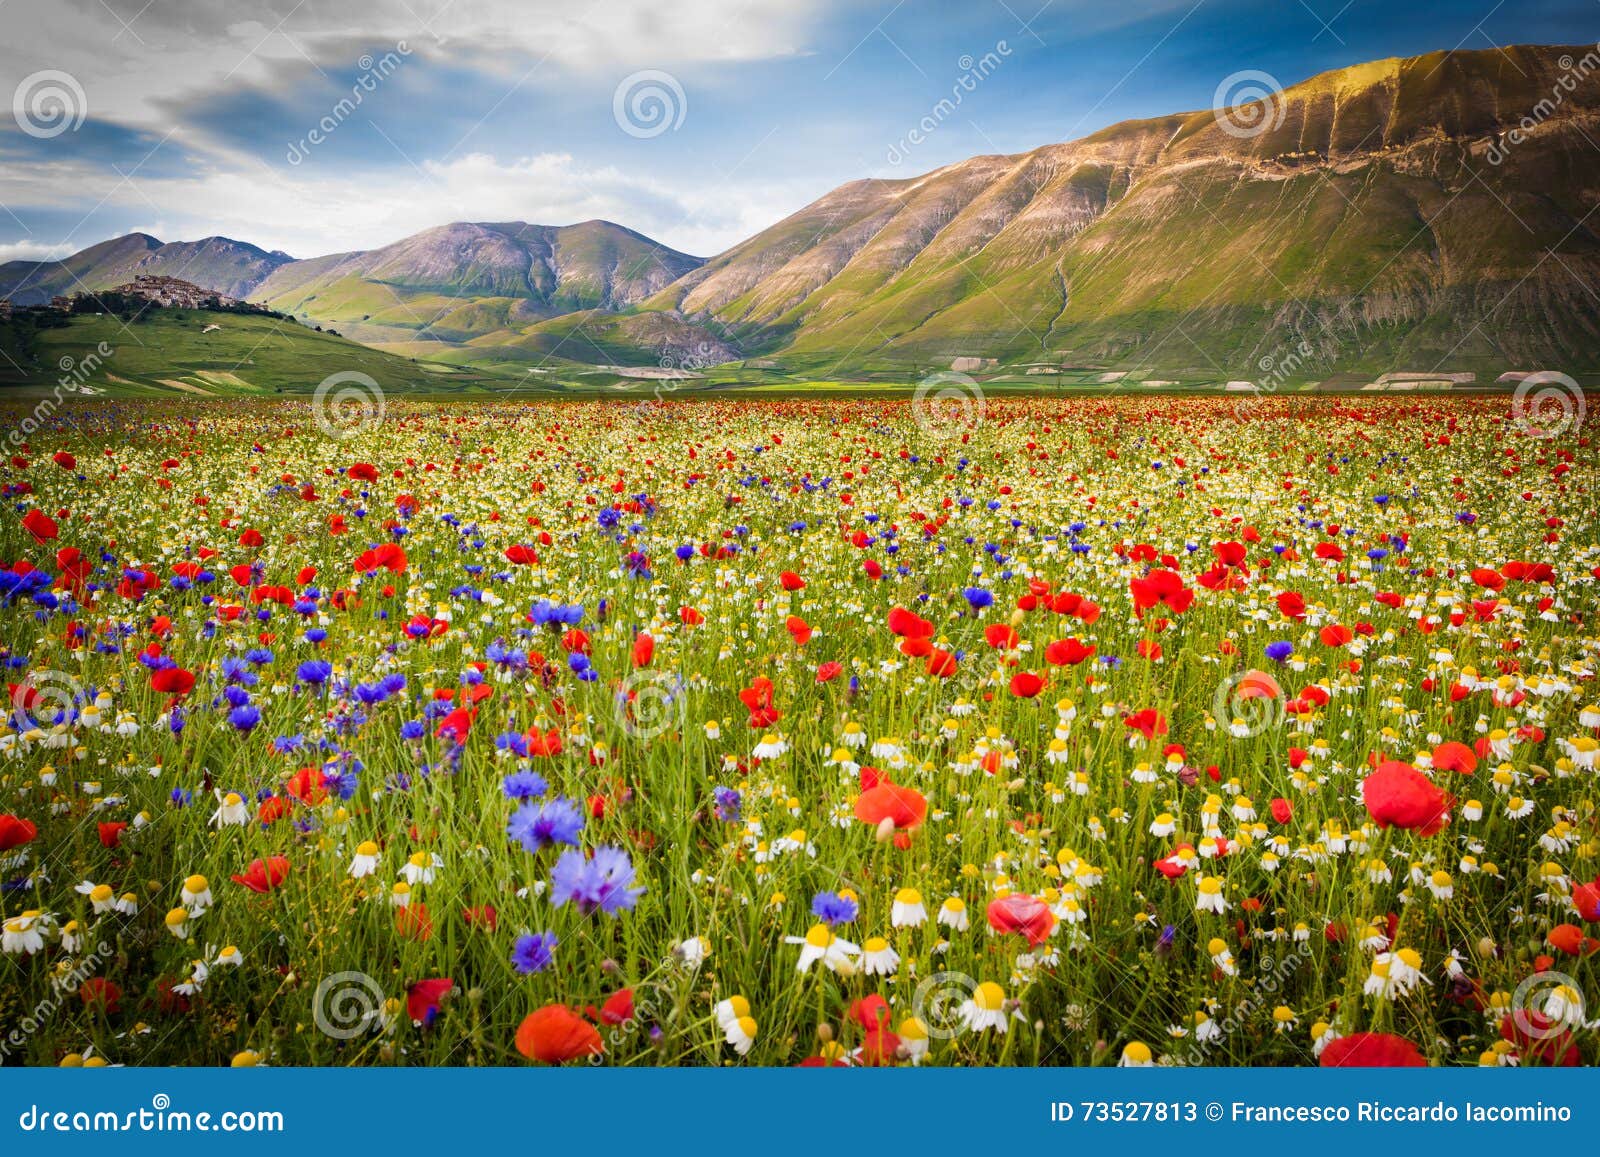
(389,557)
(1453,756)
(1149,723)
(111,833)
(264,875)
(909,626)
(644,649)
(424,998)
(879,1047)
(306,786)
(1585,897)
(1333,635)
(1569,938)
(1160,587)
(522,555)
(39,524)
(904,806)
(16,831)
(1000,636)
(791,581)
(485,917)
(1539,1040)
(1067,652)
(555,1033)
(1399,795)
(1282,810)
(758,698)
(1372,1050)
(99,993)
(870,1012)
(618,1008)
(172,681)
(64,460)
(1025,684)
(829,671)
(1022,913)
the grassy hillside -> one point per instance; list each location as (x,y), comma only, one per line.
(168,352)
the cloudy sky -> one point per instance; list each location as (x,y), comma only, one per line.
(316,126)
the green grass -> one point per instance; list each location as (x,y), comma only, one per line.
(259,355)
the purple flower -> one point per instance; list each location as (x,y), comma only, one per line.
(537,826)
(1280,651)
(524,785)
(600,882)
(832,908)
(534,953)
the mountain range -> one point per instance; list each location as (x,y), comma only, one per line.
(1417,212)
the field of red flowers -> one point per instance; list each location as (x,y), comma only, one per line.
(1098,731)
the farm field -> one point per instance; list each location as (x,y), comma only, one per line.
(960,731)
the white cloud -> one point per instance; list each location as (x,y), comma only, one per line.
(307,215)
(34,251)
(175,50)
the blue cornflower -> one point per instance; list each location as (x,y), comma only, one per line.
(314,671)
(534,953)
(537,826)
(598,883)
(832,908)
(1280,651)
(978,598)
(524,785)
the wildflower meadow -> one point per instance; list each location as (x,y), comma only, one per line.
(834,731)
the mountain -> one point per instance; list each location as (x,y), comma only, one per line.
(1432,212)
(233,268)
(1388,214)
(465,281)
(489,284)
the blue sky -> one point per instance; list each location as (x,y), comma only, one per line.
(197,116)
